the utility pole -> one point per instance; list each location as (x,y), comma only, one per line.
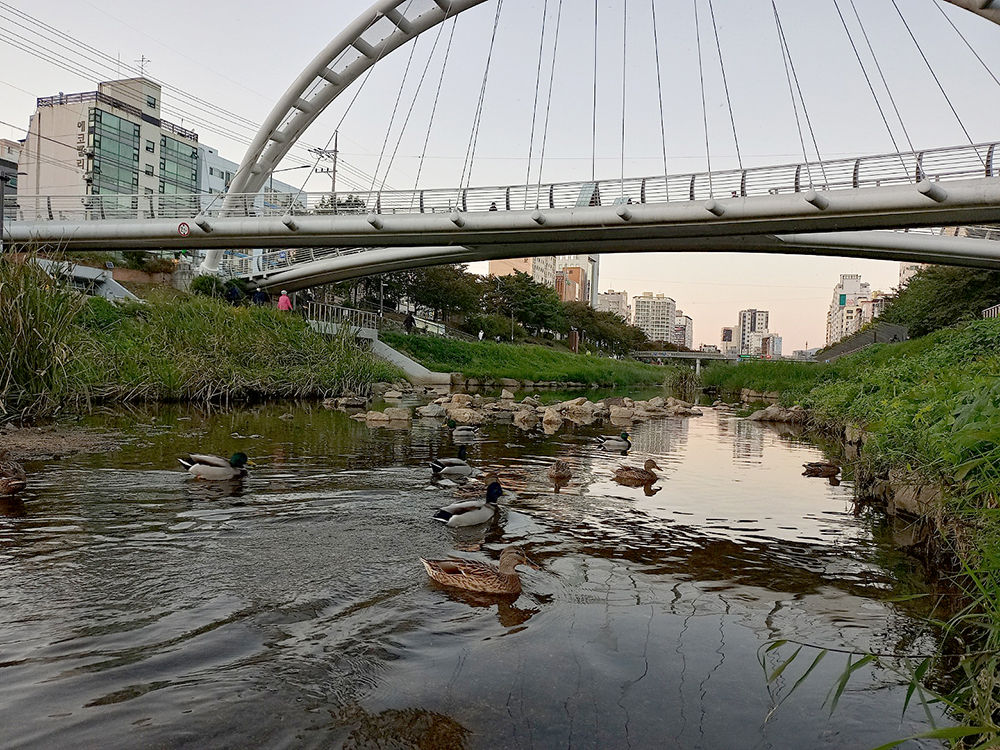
(324,154)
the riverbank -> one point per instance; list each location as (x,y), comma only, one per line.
(61,351)
(490,362)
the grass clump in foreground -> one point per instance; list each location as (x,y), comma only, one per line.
(61,349)
(931,407)
(487,360)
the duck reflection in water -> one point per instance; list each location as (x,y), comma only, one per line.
(12,507)
(215,490)
(508,615)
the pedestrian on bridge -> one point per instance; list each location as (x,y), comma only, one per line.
(285,302)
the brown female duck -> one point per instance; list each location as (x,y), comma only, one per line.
(12,476)
(635,476)
(473,575)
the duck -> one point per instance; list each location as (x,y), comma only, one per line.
(12,476)
(560,473)
(216,468)
(453,466)
(462,430)
(637,476)
(472,512)
(820,469)
(615,443)
(473,575)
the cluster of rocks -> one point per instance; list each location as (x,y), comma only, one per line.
(784,415)
(530,413)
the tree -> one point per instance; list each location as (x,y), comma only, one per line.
(940,296)
(535,306)
(444,289)
(602,329)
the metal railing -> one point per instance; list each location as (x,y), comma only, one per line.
(946,164)
(322,312)
(992,312)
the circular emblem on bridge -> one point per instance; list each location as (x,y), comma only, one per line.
(183,229)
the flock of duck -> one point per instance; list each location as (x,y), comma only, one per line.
(461,573)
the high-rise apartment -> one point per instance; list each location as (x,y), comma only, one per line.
(752,326)
(654,315)
(683,330)
(591,266)
(615,302)
(541,269)
(846,309)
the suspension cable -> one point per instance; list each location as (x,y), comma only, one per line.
(624,77)
(967,44)
(593,125)
(793,76)
(725,83)
(871,86)
(659,91)
(548,103)
(534,110)
(885,83)
(704,104)
(470,154)
(935,77)
(437,95)
(392,118)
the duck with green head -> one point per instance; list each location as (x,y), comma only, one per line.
(615,443)
(216,468)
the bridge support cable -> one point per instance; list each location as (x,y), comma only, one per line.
(871,86)
(792,76)
(624,82)
(534,108)
(704,104)
(593,114)
(725,84)
(470,154)
(659,91)
(548,99)
(966,41)
(933,73)
(437,96)
(377,32)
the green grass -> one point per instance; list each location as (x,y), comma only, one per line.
(60,349)
(486,360)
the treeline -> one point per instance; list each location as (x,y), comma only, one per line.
(942,296)
(511,308)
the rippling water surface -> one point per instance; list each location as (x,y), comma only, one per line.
(140,608)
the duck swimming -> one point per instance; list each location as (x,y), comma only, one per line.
(12,476)
(560,473)
(462,430)
(216,468)
(615,443)
(820,469)
(472,512)
(453,466)
(473,575)
(635,476)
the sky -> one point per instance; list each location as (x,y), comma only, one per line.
(223,65)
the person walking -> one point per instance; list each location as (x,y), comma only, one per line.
(260,297)
(285,302)
(408,322)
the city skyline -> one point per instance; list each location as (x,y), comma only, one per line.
(197,58)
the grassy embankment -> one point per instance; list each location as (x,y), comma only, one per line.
(62,350)
(931,408)
(489,361)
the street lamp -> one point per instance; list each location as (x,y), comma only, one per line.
(270,187)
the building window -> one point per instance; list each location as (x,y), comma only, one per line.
(151,102)
(150,147)
(149,169)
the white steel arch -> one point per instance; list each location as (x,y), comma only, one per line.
(381,29)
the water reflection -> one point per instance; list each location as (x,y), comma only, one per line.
(292,609)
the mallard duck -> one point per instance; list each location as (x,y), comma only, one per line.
(472,512)
(462,430)
(12,476)
(820,469)
(215,467)
(560,473)
(615,443)
(473,575)
(454,466)
(637,476)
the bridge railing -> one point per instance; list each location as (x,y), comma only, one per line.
(956,163)
(322,312)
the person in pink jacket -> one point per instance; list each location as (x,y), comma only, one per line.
(284,301)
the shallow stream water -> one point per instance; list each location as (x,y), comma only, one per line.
(142,608)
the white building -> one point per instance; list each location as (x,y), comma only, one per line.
(683,330)
(615,302)
(908,270)
(770,346)
(729,341)
(104,143)
(752,326)
(654,315)
(846,309)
